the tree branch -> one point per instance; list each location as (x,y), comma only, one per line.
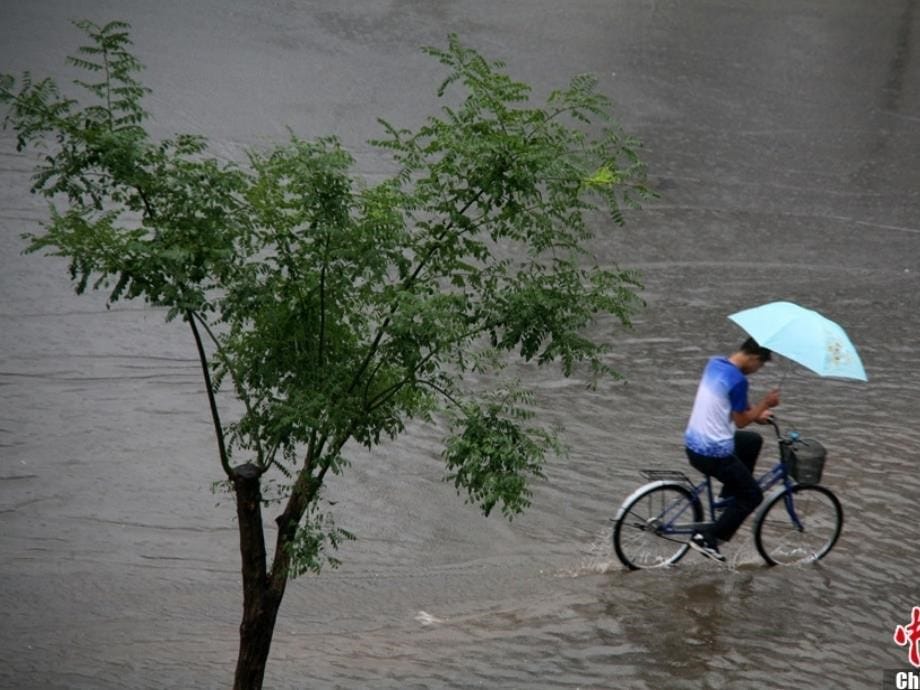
(322,305)
(215,415)
(302,493)
(240,391)
(438,389)
(389,392)
(407,284)
(108,85)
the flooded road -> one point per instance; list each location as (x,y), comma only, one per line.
(784,139)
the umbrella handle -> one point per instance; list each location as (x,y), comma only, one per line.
(785,373)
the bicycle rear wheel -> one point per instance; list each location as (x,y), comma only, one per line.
(638,536)
(798,525)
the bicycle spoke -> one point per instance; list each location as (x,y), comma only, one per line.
(798,526)
(641,537)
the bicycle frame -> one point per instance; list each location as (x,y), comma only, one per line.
(668,519)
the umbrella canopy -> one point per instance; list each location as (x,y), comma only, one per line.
(804,336)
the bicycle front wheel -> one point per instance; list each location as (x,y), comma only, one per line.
(798,525)
(642,536)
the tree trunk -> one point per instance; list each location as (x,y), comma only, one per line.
(261,600)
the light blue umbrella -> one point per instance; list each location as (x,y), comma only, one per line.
(804,336)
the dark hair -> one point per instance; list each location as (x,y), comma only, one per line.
(752,347)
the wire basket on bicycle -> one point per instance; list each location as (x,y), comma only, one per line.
(804,459)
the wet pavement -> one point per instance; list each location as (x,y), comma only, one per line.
(784,138)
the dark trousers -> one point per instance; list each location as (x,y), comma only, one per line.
(736,472)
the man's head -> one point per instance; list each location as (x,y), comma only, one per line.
(750,357)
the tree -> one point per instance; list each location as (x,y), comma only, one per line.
(336,310)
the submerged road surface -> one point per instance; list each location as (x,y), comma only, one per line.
(784,139)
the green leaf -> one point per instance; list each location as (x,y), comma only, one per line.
(603,177)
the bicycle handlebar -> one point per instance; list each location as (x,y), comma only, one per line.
(793,435)
(771,420)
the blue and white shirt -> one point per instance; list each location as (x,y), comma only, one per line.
(723,390)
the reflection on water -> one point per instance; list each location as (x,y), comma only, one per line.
(120,566)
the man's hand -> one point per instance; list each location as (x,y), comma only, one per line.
(760,413)
(770,400)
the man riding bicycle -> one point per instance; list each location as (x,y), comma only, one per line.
(716,448)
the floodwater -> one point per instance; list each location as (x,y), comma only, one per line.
(784,138)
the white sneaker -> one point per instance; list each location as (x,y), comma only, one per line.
(706,547)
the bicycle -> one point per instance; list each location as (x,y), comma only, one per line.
(798,523)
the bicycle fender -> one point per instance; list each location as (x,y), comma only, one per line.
(646,487)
